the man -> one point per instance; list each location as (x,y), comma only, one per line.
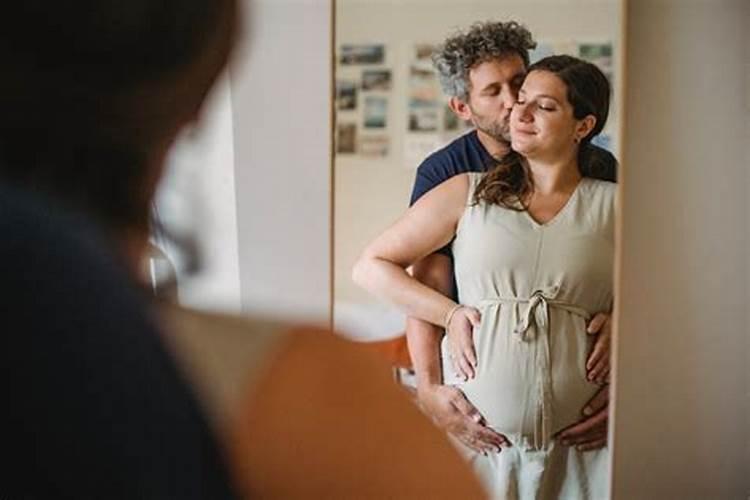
(481,71)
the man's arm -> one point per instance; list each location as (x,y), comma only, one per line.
(445,404)
(424,338)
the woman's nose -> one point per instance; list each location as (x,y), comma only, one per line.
(522,112)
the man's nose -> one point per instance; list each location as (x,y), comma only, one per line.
(508,98)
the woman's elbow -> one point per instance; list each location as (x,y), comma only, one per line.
(361,271)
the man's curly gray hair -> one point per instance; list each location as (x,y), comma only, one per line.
(482,42)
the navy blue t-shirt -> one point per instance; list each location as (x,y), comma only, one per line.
(465,154)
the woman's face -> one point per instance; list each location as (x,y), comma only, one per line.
(542,124)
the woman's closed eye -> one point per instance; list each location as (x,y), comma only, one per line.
(542,106)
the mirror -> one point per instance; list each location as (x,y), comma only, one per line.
(391,114)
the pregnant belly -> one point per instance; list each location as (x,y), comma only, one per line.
(509,387)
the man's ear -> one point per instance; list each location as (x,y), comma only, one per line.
(460,108)
(585,126)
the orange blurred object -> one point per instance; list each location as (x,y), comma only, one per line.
(394,350)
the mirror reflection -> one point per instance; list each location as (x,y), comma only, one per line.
(502,135)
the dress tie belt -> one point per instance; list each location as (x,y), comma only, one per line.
(535,312)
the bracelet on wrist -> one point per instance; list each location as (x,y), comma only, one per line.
(450,314)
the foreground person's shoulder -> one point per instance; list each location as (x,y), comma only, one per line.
(327,420)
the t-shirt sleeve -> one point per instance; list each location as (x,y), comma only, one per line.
(424,181)
(429,175)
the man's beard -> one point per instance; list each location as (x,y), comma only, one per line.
(500,131)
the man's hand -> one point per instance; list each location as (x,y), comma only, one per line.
(452,412)
(460,333)
(598,362)
(589,433)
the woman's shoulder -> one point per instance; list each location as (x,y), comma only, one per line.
(600,191)
(606,188)
(601,204)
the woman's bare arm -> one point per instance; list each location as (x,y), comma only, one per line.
(427,226)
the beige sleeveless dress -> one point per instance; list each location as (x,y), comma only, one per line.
(536,285)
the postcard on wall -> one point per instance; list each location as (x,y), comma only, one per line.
(376,79)
(346,95)
(452,123)
(346,138)
(604,141)
(542,50)
(423,54)
(599,54)
(423,85)
(374,145)
(376,111)
(423,81)
(362,54)
(423,116)
(417,147)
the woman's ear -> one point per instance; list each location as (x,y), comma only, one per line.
(460,108)
(585,126)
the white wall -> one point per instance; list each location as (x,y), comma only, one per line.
(280,88)
(682,408)
(197,200)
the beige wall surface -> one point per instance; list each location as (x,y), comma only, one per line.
(682,408)
(280,89)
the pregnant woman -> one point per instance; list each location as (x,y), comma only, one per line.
(533,243)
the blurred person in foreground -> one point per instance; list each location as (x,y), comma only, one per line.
(93,95)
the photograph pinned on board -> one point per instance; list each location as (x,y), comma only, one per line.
(374,145)
(346,95)
(362,54)
(423,116)
(423,53)
(417,147)
(423,85)
(376,79)
(604,141)
(423,81)
(599,54)
(346,138)
(376,111)
(542,50)
(451,121)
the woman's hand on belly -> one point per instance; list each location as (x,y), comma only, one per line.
(460,335)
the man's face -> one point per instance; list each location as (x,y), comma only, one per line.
(494,90)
